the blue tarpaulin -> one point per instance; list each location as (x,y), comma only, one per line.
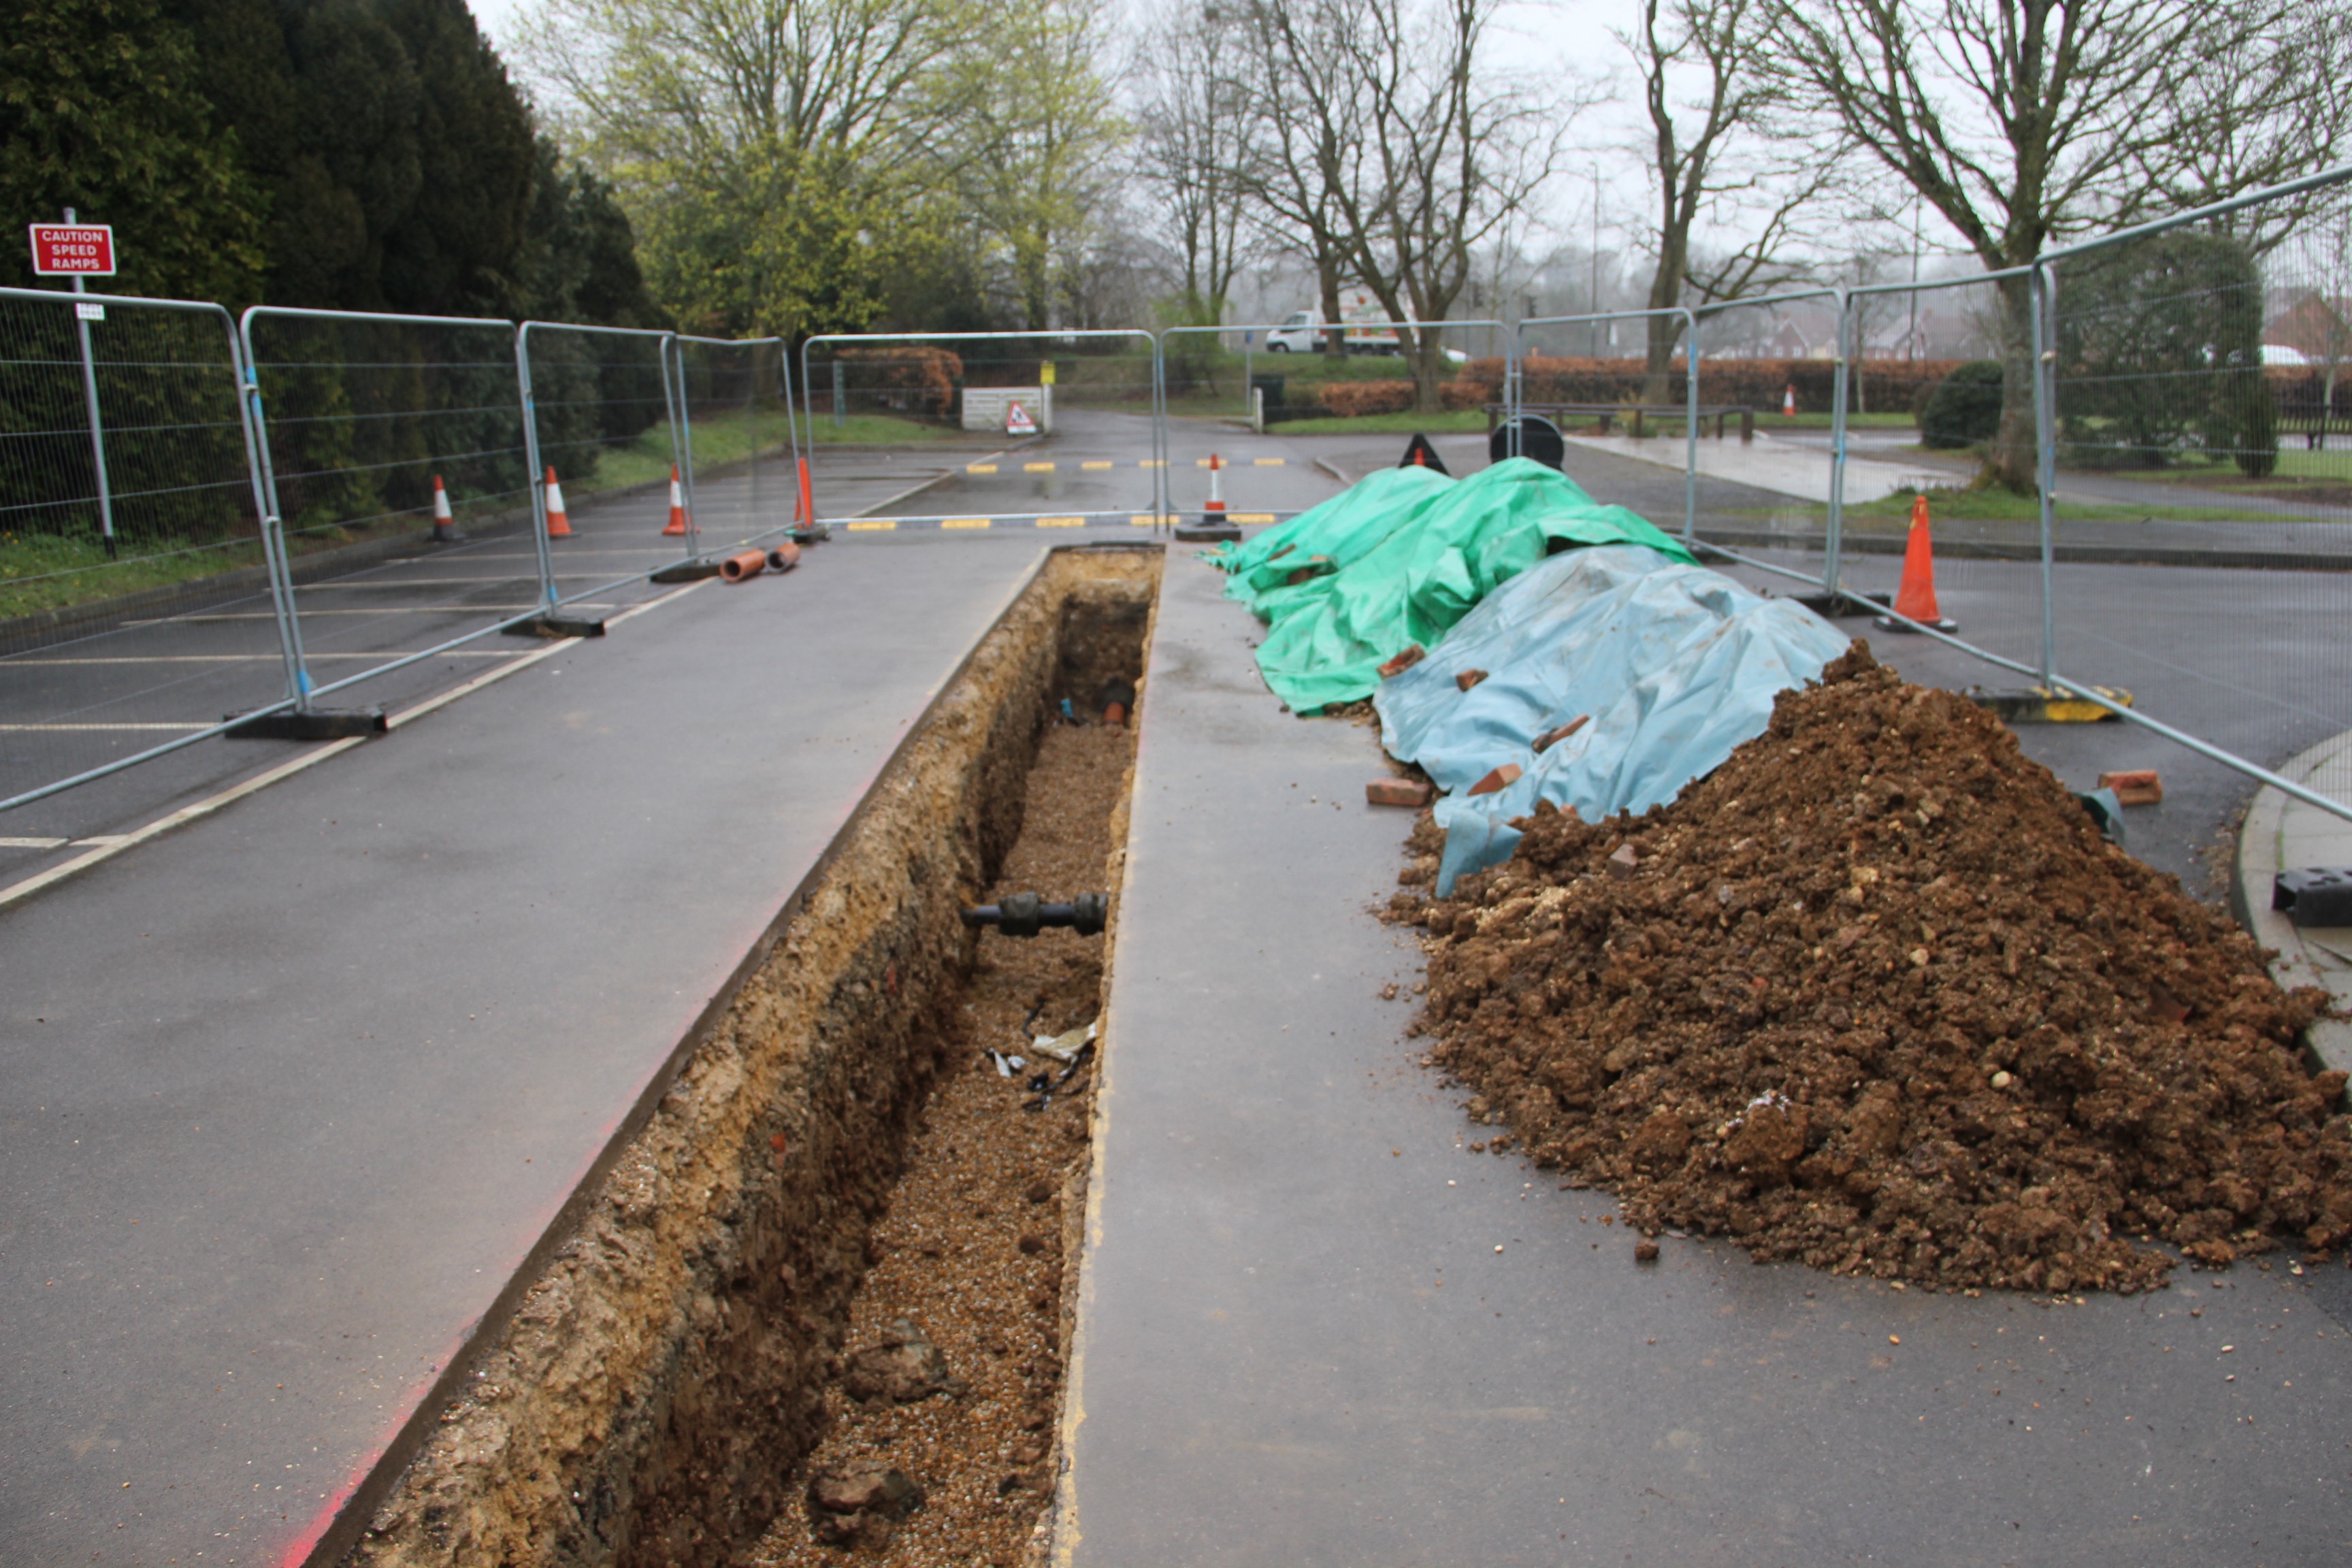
(1676,665)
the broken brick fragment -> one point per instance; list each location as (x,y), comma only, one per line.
(2135,786)
(1466,680)
(1414,654)
(1501,778)
(1414,793)
(1550,738)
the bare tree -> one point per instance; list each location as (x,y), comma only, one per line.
(1389,123)
(2023,122)
(1302,144)
(1704,159)
(1191,149)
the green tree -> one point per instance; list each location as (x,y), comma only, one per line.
(2159,354)
(99,110)
(778,157)
(1041,134)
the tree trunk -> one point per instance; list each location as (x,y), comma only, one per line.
(1327,269)
(1666,293)
(1428,363)
(2011,461)
(1657,385)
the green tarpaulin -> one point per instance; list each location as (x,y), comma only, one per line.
(1342,530)
(1435,548)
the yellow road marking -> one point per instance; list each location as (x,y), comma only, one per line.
(878,525)
(1104,463)
(1269,462)
(1152,463)
(1200,462)
(979,468)
(964,522)
(1061,522)
(1036,467)
(1145,520)
(1249,517)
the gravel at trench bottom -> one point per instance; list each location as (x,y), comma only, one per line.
(1875,994)
(969,1251)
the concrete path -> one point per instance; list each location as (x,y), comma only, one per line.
(1314,1329)
(287,1097)
(1792,468)
(2283,834)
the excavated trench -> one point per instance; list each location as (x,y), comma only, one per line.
(832,1264)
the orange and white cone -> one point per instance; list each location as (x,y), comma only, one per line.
(1214,510)
(1915,599)
(677,505)
(559,526)
(1789,402)
(445,525)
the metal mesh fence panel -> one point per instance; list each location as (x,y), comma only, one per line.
(2201,442)
(1627,430)
(1772,391)
(366,421)
(990,430)
(1348,399)
(126,503)
(738,438)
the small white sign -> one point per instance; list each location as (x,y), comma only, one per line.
(1018,423)
(89,310)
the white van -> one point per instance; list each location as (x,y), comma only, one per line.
(1301,331)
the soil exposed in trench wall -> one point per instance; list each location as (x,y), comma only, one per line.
(651,1397)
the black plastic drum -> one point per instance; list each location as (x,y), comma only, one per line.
(1536,438)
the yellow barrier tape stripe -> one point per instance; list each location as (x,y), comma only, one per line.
(964,522)
(1061,522)
(877,525)
(1249,517)
(1270,462)
(1036,467)
(979,468)
(1104,463)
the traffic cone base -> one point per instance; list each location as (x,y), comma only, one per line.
(1213,524)
(559,524)
(676,524)
(1915,599)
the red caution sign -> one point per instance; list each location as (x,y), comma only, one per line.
(73,249)
(1017,421)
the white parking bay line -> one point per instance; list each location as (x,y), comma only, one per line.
(32,843)
(22,659)
(369,610)
(31,729)
(17,891)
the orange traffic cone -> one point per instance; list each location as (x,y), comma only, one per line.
(1789,402)
(445,526)
(559,526)
(1916,598)
(677,505)
(804,525)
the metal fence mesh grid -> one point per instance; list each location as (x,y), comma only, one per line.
(88,673)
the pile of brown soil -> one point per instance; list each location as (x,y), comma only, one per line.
(1876,994)
(952,1371)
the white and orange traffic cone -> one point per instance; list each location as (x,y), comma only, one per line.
(1213,524)
(1789,402)
(1915,599)
(559,526)
(676,524)
(445,525)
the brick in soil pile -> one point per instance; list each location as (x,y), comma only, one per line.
(970,1249)
(1878,996)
